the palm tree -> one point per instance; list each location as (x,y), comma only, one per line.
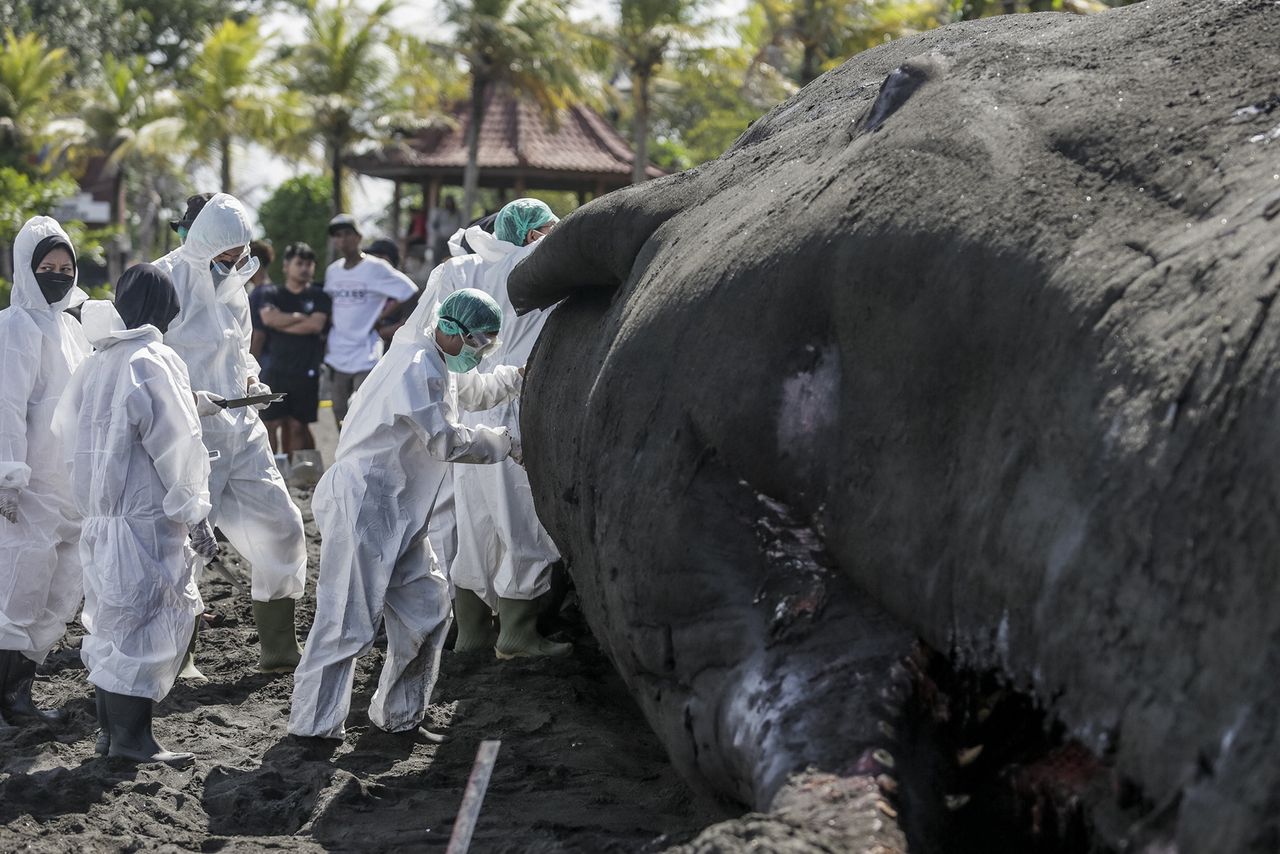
(128,115)
(647,30)
(826,32)
(528,45)
(427,82)
(342,73)
(226,96)
(31,91)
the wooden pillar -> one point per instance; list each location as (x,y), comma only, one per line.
(430,200)
(600,190)
(520,187)
(397,234)
(582,197)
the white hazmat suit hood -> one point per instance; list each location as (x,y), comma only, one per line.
(207,331)
(211,334)
(140,475)
(40,347)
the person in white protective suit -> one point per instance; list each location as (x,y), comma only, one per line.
(374,506)
(444,280)
(251,503)
(140,477)
(504,555)
(40,346)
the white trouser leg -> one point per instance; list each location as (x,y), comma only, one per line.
(256,512)
(354,575)
(417,619)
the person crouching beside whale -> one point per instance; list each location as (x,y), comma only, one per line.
(140,476)
(374,508)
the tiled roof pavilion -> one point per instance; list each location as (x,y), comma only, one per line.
(517,142)
(520,151)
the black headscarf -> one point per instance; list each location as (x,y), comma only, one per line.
(145,294)
(47,245)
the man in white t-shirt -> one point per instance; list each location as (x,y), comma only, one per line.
(365,290)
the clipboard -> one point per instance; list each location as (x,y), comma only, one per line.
(237,403)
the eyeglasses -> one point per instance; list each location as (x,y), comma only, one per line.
(478,342)
(246,264)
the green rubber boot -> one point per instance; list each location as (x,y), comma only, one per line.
(474,619)
(189,670)
(519,637)
(279,642)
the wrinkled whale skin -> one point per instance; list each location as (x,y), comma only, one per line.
(983,354)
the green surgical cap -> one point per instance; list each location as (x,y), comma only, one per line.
(469,310)
(518,218)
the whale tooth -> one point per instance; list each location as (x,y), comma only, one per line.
(883,756)
(887,729)
(966,756)
(955,802)
(887,783)
(886,809)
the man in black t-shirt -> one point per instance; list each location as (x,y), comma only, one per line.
(296,315)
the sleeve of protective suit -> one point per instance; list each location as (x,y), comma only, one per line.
(451,442)
(19,367)
(244,318)
(485,391)
(162,407)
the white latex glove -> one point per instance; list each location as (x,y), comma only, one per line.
(517,451)
(256,388)
(202,539)
(207,403)
(9,504)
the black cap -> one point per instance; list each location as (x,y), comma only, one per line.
(384,248)
(195,204)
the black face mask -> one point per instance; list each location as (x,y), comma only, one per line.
(55,286)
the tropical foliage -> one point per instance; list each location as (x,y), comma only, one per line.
(139,95)
(298,210)
(528,45)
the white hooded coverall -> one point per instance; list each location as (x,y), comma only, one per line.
(40,347)
(139,473)
(503,550)
(251,503)
(373,508)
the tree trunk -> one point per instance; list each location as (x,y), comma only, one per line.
(224,151)
(641,85)
(335,165)
(806,26)
(471,175)
(120,240)
(809,64)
